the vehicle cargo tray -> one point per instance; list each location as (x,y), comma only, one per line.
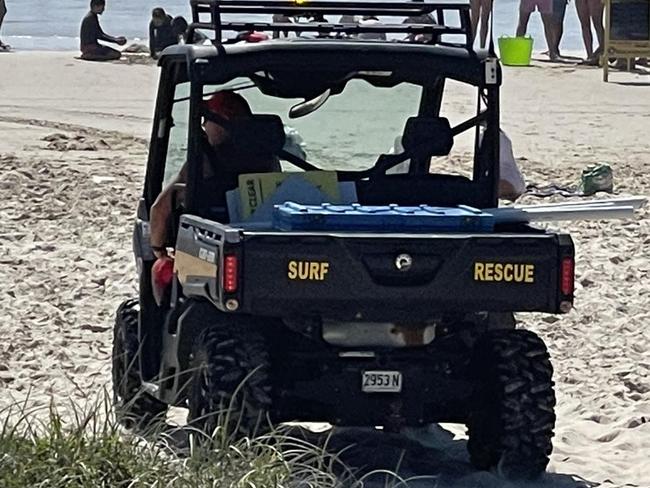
(394,218)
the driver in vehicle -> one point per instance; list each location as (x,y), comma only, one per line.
(216,176)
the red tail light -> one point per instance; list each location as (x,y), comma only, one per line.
(566,283)
(230,273)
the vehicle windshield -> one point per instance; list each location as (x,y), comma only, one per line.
(356,131)
(352,129)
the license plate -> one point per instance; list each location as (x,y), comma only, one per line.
(381,382)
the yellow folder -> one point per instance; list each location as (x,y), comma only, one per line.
(255,188)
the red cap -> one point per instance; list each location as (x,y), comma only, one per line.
(228,104)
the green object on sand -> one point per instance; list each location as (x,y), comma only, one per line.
(515,51)
(595,178)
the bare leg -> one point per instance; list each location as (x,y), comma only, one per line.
(582,8)
(475,13)
(559,25)
(550,34)
(486,9)
(596,14)
(523,23)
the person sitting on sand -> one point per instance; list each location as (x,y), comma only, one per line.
(420,19)
(371,20)
(226,104)
(180,28)
(281,19)
(92,33)
(3,12)
(161,33)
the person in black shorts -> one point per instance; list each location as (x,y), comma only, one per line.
(92,33)
(161,32)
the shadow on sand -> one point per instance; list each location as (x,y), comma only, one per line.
(428,457)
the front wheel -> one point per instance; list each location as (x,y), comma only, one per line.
(512,416)
(132,404)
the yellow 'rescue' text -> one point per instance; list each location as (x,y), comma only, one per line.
(508,272)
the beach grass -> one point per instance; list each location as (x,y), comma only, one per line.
(67,446)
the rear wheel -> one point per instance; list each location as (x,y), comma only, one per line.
(230,385)
(512,417)
(132,404)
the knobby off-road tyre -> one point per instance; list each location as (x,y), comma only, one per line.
(133,406)
(230,387)
(512,419)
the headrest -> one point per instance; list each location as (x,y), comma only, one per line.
(257,135)
(427,136)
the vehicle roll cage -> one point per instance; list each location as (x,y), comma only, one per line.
(432,33)
(427,64)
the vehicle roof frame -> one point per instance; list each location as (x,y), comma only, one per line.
(214,9)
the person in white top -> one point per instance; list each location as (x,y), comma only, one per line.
(511,182)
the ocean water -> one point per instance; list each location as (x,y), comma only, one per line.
(54,24)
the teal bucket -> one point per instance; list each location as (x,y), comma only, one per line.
(515,51)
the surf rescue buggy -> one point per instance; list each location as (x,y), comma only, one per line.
(378,291)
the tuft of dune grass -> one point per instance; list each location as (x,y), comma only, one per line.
(85,446)
(73,446)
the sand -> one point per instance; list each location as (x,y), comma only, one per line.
(72,155)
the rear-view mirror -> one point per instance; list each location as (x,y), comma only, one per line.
(309,106)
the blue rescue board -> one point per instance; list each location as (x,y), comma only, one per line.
(388,218)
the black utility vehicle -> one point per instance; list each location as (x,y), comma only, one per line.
(349,327)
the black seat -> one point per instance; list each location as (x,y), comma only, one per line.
(427,136)
(253,144)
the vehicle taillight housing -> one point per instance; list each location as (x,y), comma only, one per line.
(566,277)
(230,273)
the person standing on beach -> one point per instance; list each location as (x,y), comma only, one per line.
(559,12)
(3,12)
(591,11)
(545,8)
(92,33)
(480,11)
